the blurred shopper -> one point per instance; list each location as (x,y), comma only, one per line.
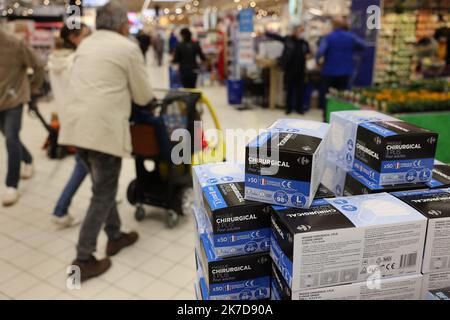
(293,63)
(186,57)
(16,58)
(442,36)
(173,41)
(144,42)
(158,47)
(337,50)
(59,65)
(108,74)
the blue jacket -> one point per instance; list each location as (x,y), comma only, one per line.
(338,48)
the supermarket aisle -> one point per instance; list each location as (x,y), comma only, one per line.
(34,255)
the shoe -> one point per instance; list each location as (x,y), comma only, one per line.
(92,267)
(66,221)
(26,170)
(126,239)
(10,197)
(287,112)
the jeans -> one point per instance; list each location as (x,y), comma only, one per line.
(76,179)
(104,170)
(10,125)
(338,83)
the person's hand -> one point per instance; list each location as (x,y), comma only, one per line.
(32,104)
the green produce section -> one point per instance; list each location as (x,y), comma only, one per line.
(436,121)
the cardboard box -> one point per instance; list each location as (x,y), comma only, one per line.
(356,184)
(234,278)
(213,174)
(396,288)
(440,294)
(384,150)
(347,239)
(435,281)
(351,183)
(441,176)
(284,165)
(234,225)
(435,206)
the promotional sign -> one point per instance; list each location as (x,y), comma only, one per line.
(246,51)
(246,20)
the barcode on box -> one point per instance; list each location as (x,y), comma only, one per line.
(408,260)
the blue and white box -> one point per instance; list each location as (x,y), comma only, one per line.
(284,165)
(435,281)
(383,149)
(435,206)
(233,278)
(441,176)
(347,240)
(440,294)
(235,226)
(395,288)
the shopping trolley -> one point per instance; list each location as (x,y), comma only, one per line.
(166,183)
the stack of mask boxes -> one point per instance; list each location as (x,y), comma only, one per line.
(435,206)
(232,251)
(370,152)
(371,246)
(361,247)
(284,165)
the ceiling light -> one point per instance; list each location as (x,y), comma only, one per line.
(253,4)
(178,10)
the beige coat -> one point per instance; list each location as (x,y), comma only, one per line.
(107,75)
(15,60)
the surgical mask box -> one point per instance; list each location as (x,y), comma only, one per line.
(356,184)
(280,290)
(383,149)
(441,176)
(234,225)
(351,183)
(234,278)
(396,288)
(435,281)
(284,165)
(347,240)
(435,206)
(213,174)
(440,294)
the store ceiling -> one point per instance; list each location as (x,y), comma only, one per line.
(136,5)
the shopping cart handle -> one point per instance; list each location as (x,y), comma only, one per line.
(155,103)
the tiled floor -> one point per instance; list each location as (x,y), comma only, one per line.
(34,255)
